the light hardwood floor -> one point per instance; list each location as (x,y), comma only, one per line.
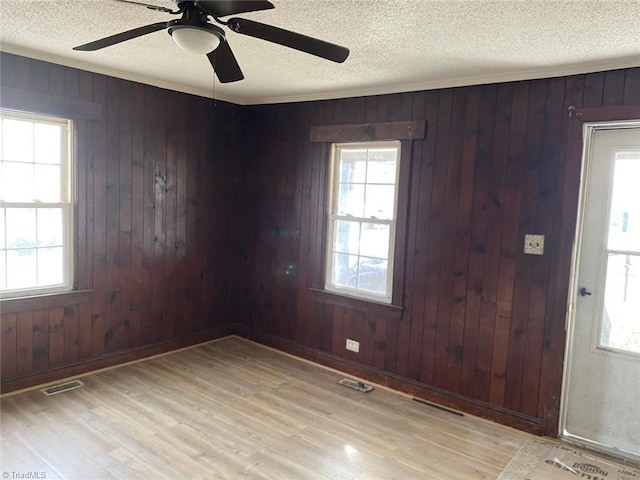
(233,409)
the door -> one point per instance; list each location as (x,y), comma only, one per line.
(601,396)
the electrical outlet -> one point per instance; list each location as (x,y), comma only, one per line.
(534,244)
(353,346)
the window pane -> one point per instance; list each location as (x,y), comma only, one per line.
(17,182)
(372,275)
(345,270)
(2,230)
(351,200)
(47,183)
(17,140)
(33,158)
(374,240)
(347,237)
(366,176)
(50,227)
(21,268)
(380,201)
(386,154)
(50,266)
(353,166)
(382,166)
(624,218)
(21,227)
(3,270)
(620,324)
(47,146)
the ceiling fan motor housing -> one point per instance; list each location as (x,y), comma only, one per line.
(193,32)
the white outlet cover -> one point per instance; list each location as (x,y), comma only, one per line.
(534,244)
(353,346)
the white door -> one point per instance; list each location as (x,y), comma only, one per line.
(601,397)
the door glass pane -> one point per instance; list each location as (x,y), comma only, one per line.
(620,320)
(624,218)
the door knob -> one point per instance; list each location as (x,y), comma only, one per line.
(584,292)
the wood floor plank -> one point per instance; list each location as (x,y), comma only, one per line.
(233,409)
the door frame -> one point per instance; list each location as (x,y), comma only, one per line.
(573,211)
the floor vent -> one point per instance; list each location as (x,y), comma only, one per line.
(361,387)
(439,407)
(62,387)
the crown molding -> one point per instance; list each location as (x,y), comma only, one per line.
(113,72)
(511,76)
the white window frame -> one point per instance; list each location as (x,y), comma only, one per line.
(333,217)
(66,204)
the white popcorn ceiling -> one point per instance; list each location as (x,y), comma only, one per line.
(396,45)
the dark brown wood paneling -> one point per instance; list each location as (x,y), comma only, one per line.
(9,351)
(529,199)
(147,165)
(192,216)
(475,317)
(473,336)
(493,243)
(61,106)
(41,340)
(41,302)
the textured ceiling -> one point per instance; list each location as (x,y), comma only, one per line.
(396,45)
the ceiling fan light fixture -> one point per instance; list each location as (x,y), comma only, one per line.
(198,39)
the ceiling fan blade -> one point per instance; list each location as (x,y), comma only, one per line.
(222,8)
(149,6)
(297,41)
(225,65)
(121,37)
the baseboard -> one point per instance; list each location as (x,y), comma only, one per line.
(31,380)
(433,394)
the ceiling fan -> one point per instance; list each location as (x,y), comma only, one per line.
(194,33)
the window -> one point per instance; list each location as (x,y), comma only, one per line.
(362,219)
(35,205)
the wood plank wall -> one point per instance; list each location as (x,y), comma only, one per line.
(481,325)
(153,227)
(193,216)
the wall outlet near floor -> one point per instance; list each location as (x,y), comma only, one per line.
(353,346)
(534,244)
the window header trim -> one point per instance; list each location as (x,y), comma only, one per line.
(369,132)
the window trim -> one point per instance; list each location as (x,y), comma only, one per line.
(333,186)
(67,204)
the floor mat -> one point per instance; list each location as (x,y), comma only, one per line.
(545,461)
